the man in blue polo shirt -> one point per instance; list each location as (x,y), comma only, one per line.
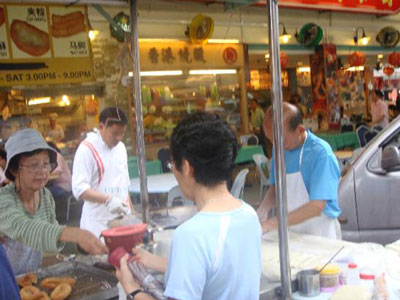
(312,179)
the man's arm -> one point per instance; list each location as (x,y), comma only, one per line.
(83,171)
(307,211)
(267,204)
(378,120)
(129,284)
(94,196)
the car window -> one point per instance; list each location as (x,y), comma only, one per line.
(393,140)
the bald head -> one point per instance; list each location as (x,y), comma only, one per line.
(293,129)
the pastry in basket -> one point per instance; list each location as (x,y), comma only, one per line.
(44,296)
(29,39)
(61,292)
(30,292)
(52,282)
(28,279)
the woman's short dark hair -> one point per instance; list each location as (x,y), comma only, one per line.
(13,165)
(113,116)
(208,143)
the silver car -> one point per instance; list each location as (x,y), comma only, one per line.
(369,191)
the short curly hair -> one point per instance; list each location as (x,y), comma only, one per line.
(209,144)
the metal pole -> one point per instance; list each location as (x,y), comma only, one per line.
(280,182)
(137,96)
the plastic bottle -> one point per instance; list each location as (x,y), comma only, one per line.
(353,274)
(343,274)
(380,290)
(367,279)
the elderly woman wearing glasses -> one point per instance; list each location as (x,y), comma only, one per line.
(27,211)
(217,253)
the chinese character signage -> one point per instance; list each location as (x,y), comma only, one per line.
(362,6)
(163,56)
(44,44)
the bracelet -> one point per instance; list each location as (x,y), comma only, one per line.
(132,295)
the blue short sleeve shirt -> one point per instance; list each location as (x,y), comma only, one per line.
(319,169)
(216,256)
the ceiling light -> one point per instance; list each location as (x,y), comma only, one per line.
(159,73)
(93,34)
(352,69)
(223,41)
(304,69)
(285,37)
(212,72)
(65,99)
(267,55)
(364,40)
(36,101)
(149,40)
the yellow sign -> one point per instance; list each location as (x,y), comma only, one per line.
(182,55)
(44,44)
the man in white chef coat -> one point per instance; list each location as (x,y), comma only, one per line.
(312,179)
(100,172)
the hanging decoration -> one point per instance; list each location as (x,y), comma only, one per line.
(284,59)
(388,37)
(92,106)
(310,35)
(357,59)
(388,70)
(394,59)
(201,29)
(123,21)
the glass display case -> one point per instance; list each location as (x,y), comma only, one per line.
(167,99)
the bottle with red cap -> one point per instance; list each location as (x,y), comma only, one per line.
(367,278)
(353,274)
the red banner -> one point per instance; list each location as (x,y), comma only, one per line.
(382,7)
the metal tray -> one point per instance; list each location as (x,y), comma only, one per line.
(91,283)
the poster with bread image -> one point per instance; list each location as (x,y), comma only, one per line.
(29,31)
(4,52)
(69,31)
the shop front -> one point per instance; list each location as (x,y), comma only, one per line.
(180,78)
(47,83)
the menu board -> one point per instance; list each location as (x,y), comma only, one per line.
(44,44)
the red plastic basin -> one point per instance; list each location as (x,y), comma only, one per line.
(124,236)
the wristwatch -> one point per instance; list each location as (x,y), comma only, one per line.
(132,295)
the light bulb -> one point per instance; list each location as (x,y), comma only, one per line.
(365,40)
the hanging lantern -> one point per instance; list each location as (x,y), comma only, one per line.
(357,59)
(388,70)
(284,59)
(394,59)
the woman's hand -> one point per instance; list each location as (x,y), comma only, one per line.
(149,260)
(90,243)
(85,239)
(124,275)
(142,256)
(269,225)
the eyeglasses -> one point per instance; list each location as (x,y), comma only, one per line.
(37,167)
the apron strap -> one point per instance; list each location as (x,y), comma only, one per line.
(301,151)
(97,158)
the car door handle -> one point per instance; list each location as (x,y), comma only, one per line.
(342,219)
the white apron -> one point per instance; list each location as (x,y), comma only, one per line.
(95,216)
(297,196)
